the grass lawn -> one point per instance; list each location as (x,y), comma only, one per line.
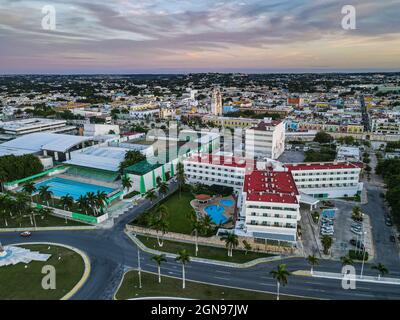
(172,287)
(25,284)
(206,252)
(178,208)
(47,221)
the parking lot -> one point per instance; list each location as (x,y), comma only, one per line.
(292,156)
(337,223)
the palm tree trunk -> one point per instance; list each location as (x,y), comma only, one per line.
(312,271)
(197,245)
(277,290)
(183,276)
(159,274)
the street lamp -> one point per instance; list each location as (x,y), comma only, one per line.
(363,259)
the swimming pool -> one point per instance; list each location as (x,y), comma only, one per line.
(61,187)
(216,214)
(227,202)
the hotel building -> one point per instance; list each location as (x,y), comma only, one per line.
(266,140)
(327,180)
(269,193)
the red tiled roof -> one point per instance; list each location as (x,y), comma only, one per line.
(223,160)
(324,166)
(270,186)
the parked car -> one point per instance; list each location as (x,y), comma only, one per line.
(356,231)
(357,244)
(388,222)
(392,238)
(25,234)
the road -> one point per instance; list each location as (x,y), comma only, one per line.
(111,252)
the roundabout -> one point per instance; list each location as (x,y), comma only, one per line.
(24,268)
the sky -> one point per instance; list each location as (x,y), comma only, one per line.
(180,36)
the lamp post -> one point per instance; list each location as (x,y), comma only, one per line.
(363,260)
(139,269)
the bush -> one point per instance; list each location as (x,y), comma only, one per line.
(358,255)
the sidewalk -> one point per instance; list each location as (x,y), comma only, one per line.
(339,276)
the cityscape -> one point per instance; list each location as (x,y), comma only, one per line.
(132,185)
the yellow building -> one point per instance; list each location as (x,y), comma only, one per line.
(230,122)
(355,128)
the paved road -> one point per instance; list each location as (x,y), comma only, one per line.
(110,252)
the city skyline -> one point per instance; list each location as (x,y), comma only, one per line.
(93,37)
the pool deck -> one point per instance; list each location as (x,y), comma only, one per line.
(199,208)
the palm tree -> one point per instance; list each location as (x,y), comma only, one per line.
(29,188)
(357,214)
(159,225)
(247,246)
(326,243)
(161,212)
(163,188)
(126,182)
(206,223)
(346,261)
(45,194)
(101,199)
(83,203)
(382,270)
(159,259)
(231,241)
(313,261)
(196,226)
(180,176)
(67,202)
(91,199)
(281,276)
(151,195)
(184,258)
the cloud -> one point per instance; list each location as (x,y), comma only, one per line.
(162,33)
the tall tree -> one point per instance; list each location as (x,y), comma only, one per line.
(231,242)
(158,260)
(184,258)
(180,176)
(312,261)
(281,275)
(382,270)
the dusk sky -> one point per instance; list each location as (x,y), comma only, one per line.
(159,36)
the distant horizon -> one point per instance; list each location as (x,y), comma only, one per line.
(181,72)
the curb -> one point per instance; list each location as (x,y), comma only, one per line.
(84,256)
(3,230)
(338,276)
(244,265)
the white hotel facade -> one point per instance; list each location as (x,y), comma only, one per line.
(265,140)
(269,193)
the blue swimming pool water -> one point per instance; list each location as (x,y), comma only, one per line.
(328,213)
(227,202)
(60,187)
(216,214)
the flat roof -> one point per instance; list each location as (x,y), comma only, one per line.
(220,160)
(103,158)
(35,142)
(324,166)
(29,123)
